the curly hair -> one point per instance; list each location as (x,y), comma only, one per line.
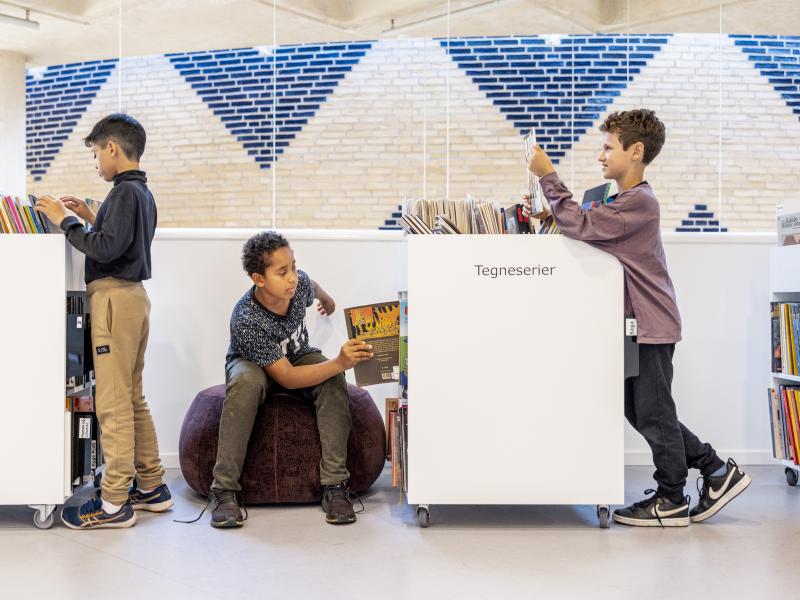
(258,249)
(640,125)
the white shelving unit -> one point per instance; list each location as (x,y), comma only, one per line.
(35,429)
(784,278)
(516,385)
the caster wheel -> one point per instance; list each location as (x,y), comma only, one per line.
(423,516)
(791,476)
(43,522)
(603,517)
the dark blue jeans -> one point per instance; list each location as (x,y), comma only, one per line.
(650,409)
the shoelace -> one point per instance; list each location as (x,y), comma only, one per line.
(702,490)
(223,496)
(348,494)
(653,499)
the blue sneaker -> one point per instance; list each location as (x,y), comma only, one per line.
(91,515)
(158,500)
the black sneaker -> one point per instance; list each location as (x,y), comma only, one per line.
(227,510)
(655,511)
(158,500)
(716,492)
(337,504)
(91,515)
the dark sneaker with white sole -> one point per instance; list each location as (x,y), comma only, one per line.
(716,492)
(227,510)
(90,515)
(157,500)
(337,504)
(655,511)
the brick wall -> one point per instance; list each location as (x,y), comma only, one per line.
(359,126)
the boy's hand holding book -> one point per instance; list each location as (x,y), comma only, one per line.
(540,164)
(354,352)
(79,207)
(52,208)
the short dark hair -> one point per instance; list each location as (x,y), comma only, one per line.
(258,249)
(122,129)
(640,125)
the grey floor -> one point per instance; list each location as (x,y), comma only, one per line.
(749,551)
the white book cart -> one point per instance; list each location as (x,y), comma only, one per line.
(37,270)
(516,380)
(784,278)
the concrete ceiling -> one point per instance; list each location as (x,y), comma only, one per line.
(76,30)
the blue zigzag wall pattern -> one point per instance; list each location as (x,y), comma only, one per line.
(238,86)
(778,59)
(562,89)
(55,100)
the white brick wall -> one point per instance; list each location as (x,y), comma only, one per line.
(362,152)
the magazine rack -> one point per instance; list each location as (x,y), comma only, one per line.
(515,372)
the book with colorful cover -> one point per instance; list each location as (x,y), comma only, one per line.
(391,405)
(5,219)
(787,418)
(596,196)
(378,325)
(790,401)
(790,339)
(778,446)
(12,210)
(789,229)
(775,319)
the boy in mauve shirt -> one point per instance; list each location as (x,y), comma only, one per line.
(629,228)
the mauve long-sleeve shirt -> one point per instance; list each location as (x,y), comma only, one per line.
(628,228)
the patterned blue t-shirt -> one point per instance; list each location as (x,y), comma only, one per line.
(263,337)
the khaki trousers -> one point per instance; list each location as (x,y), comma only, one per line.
(120,318)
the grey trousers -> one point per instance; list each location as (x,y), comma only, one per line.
(248,387)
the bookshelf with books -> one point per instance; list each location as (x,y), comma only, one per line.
(48,436)
(784,394)
(515,348)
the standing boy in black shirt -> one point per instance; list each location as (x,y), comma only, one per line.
(117,253)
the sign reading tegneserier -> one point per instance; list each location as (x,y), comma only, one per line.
(493,272)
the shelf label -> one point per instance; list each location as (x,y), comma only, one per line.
(85,428)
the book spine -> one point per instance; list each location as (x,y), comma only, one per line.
(790,339)
(776,337)
(794,310)
(5,223)
(39,216)
(772,425)
(787,419)
(22,216)
(11,209)
(792,410)
(784,354)
(37,224)
(30,220)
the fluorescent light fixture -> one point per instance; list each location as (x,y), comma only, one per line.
(26,22)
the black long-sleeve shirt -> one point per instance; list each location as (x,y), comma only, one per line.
(118,244)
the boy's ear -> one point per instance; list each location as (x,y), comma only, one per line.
(638,151)
(258,279)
